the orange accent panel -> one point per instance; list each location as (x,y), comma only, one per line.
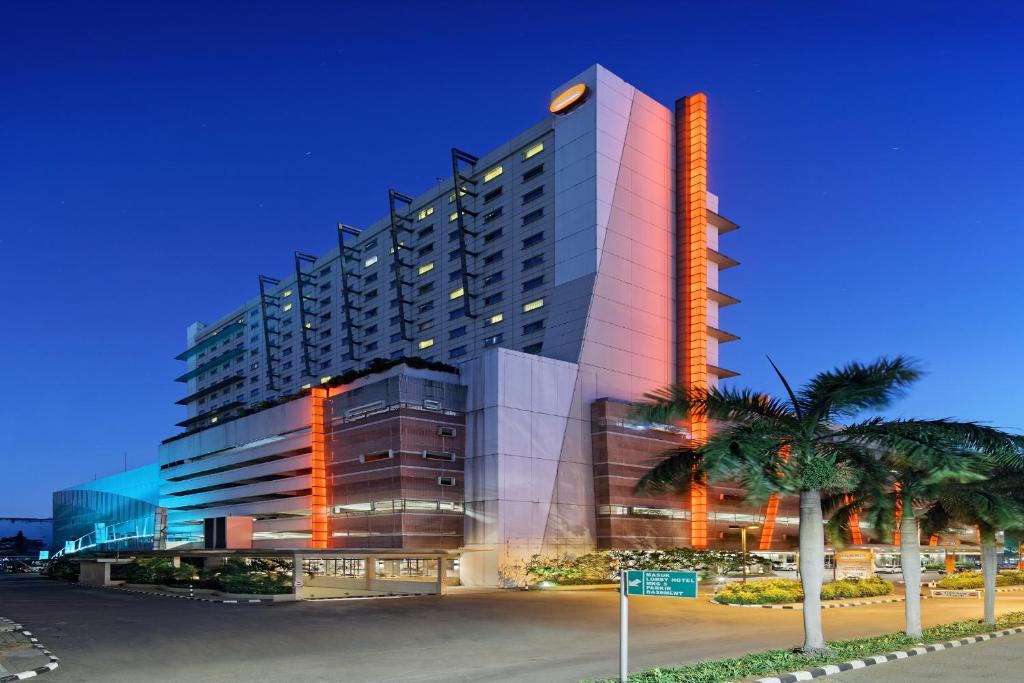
(855,535)
(318,462)
(765,542)
(933,540)
(694,365)
(899,515)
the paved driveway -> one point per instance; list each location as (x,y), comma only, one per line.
(106,635)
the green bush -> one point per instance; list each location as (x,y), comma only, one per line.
(250,575)
(62,568)
(260,583)
(773,662)
(777,591)
(150,570)
(966,580)
(856,588)
(603,566)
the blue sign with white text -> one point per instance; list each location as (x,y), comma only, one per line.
(661,584)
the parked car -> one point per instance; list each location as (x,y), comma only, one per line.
(888,570)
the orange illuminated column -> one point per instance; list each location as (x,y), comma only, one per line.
(899,515)
(933,540)
(854,522)
(318,462)
(765,543)
(692,279)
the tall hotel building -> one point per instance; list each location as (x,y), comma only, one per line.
(549,282)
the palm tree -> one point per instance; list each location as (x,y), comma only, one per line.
(992,505)
(827,451)
(898,485)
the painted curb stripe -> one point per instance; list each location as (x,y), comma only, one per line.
(31,673)
(860,603)
(831,669)
(182,597)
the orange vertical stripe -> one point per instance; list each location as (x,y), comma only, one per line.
(318,464)
(855,535)
(933,540)
(899,515)
(765,542)
(695,290)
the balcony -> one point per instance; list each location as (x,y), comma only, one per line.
(722,336)
(210,364)
(721,298)
(209,417)
(211,341)
(724,262)
(724,225)
(217,386)
(721,373)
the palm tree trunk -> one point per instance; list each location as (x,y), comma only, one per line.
(989,569)
(812,569)
(910,558)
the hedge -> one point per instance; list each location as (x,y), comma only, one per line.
(778,591)
(963,580)
(603,566)
(774,662)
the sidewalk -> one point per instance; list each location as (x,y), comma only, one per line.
(991,660)
(17,653)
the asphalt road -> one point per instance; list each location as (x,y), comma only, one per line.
(107,635)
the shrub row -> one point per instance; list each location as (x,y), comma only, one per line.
(779,591)
(964,580)
(604,566)
(774,662)
(235,575)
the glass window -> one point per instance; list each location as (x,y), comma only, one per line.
(424,213)
(533,305)
(533,261)
(456,293)
(493,173)
(457,332)
(494,319)
(495,339)
(370,261)
(533,173)
(536,326)
(533,194)
(533,150)
(425,344)
(533,216)
(494,298)
(457,351)
(426,268)
(533,283)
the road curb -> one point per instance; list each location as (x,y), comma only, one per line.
(832,669)
(824,605)
(49,666)
(222,601)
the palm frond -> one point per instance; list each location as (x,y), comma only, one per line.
(675,472)
(668,405)
(847,390)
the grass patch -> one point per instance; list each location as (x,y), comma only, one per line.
(773,662)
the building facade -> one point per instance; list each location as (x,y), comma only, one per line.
(540,289)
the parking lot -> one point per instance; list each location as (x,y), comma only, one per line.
(109,635)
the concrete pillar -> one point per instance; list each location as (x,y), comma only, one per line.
(297,577)
(442,574)
(371,571)
(176,562)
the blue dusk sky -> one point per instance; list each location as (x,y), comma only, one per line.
(154,157)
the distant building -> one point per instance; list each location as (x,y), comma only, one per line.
(120,498)
(32,528)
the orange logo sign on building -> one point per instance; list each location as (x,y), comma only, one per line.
(568,98)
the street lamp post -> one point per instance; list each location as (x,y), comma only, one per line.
(743,544)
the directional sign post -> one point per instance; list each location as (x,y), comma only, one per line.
(671,584)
